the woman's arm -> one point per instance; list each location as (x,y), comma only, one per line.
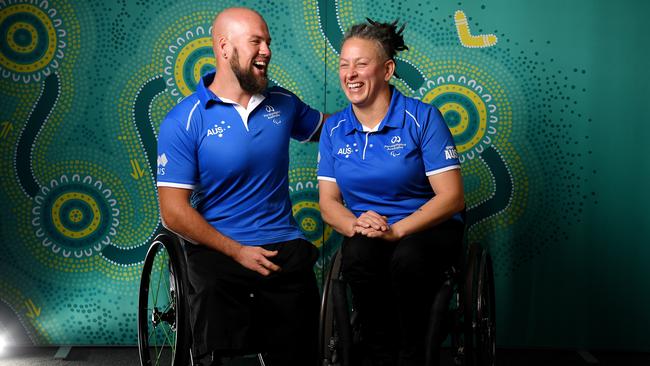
(449,199)
(340,218)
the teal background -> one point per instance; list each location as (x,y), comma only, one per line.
(557,189)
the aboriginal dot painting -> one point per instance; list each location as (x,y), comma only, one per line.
(546,101)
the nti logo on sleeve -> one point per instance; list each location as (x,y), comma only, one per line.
(162,161)
(450,153)
(218,129)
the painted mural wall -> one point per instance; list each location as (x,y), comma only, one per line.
(547,102)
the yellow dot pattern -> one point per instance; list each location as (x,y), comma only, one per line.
(476,101)
(182,57)
(51,41)
(464,117)
(75,234)
(12,32)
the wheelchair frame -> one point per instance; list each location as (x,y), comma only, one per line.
(466,299)
(164,329)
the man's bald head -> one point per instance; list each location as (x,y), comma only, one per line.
(233,21)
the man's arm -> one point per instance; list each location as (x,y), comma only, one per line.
(316,136)
(180,217)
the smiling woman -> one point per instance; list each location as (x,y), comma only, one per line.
(401,217)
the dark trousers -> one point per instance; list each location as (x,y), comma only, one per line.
(393,287)
(236,310)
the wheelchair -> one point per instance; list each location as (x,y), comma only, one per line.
(464,307)
(164,329)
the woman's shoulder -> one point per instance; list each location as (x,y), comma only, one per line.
(334,121)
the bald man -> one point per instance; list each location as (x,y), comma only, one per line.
(251,270)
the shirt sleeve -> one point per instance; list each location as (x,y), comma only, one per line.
(308,121)
(325,158)
(177,164)
(438,148)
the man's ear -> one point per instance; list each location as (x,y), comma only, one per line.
(223,47)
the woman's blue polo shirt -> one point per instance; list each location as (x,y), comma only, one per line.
(386,170)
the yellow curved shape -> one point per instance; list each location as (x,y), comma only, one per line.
(305,204)
(466,37)
(313,205)
(51,40)
(182,57)
(16,47)
(476,101)
(464,117)
(75,234)
(196,73)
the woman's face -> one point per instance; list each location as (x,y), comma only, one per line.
(363,71)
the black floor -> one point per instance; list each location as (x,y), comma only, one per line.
(128,356)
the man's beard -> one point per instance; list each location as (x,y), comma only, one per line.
(248,81)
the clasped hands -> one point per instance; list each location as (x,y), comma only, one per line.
(374,225)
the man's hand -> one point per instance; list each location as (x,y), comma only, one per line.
(256,259)
(371,220)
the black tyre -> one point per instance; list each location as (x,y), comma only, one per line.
(439,321)
(163,329)
(329,340)
(477,339)
(485,313)
(463,332)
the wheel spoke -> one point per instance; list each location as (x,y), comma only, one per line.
(159,312)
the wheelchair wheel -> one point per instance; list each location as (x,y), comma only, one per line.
(163,329)
(485,313)
(329,340)
(338,329)
(477,340)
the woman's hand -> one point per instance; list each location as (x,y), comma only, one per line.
(389,234)
(371,220)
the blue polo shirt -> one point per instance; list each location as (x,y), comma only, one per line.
(236,159)
(386,170)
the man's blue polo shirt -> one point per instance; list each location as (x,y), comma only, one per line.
(386,170)
(236,160)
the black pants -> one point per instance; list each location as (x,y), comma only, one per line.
(236,310)
(393,287)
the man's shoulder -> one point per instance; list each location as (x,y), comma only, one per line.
(281,95)
(184,108)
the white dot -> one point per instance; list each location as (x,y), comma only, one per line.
(220,135)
